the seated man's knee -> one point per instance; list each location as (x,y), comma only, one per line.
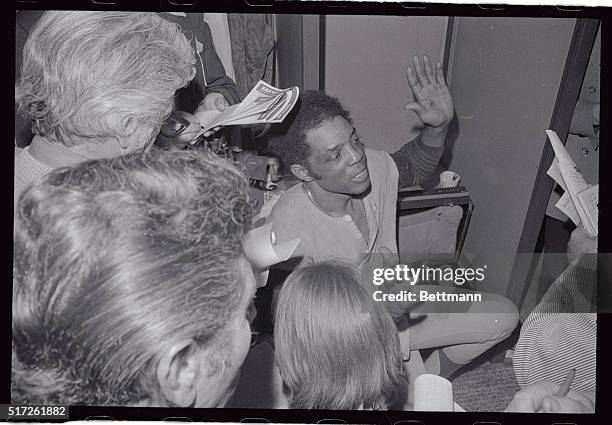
(504,318)
(497,315)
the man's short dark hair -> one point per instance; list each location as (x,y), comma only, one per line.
(314,108)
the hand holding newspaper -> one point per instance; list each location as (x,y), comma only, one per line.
(579,202)
(263,104)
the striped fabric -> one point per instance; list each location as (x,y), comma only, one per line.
(560,333)
(415,161)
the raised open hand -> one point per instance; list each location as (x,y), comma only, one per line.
(433,103)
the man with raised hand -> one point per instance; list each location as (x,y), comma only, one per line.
(345,208)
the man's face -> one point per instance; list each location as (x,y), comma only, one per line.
(337,158)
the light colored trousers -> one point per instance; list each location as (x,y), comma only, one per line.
(463,330)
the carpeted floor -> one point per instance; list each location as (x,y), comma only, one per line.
(487,388)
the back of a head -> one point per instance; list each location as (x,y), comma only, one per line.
(91,76)
(335,347)
(113,261)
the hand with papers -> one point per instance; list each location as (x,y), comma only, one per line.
(263,104)
(212,103)
(580,200)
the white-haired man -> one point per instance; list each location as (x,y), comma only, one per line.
(97,85)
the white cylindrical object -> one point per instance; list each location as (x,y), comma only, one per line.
(432,393)
(449,179)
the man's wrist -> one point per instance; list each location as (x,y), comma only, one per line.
(441,129)
(206,93)
(201,103)
(434,137)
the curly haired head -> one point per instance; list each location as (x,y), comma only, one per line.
(314,108)
(90,77)
(113,261)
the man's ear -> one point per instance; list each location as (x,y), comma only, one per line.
(301,172)
(129,128)
(178,371)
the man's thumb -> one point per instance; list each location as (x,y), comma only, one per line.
(414,106)
(220,104)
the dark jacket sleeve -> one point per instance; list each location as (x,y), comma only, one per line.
(415,161)
(216,79)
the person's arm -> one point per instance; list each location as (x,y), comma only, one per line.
(542,397)
(433,105)
(415,161)
(580,243)
(211,88)
(217,82)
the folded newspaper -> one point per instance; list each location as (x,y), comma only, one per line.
(580,200)
(263,104)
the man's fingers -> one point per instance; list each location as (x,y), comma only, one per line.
(415,86)
(428,69)
(521,405)
(550,405)
(221,104)
(440,73)
(420,71)
(554,404)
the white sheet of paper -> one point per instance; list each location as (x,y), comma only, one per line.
(262,92)
(566,206)
(589,201)
(555,174)
(560,152)
(433,393)
(572,176)
(263,104)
